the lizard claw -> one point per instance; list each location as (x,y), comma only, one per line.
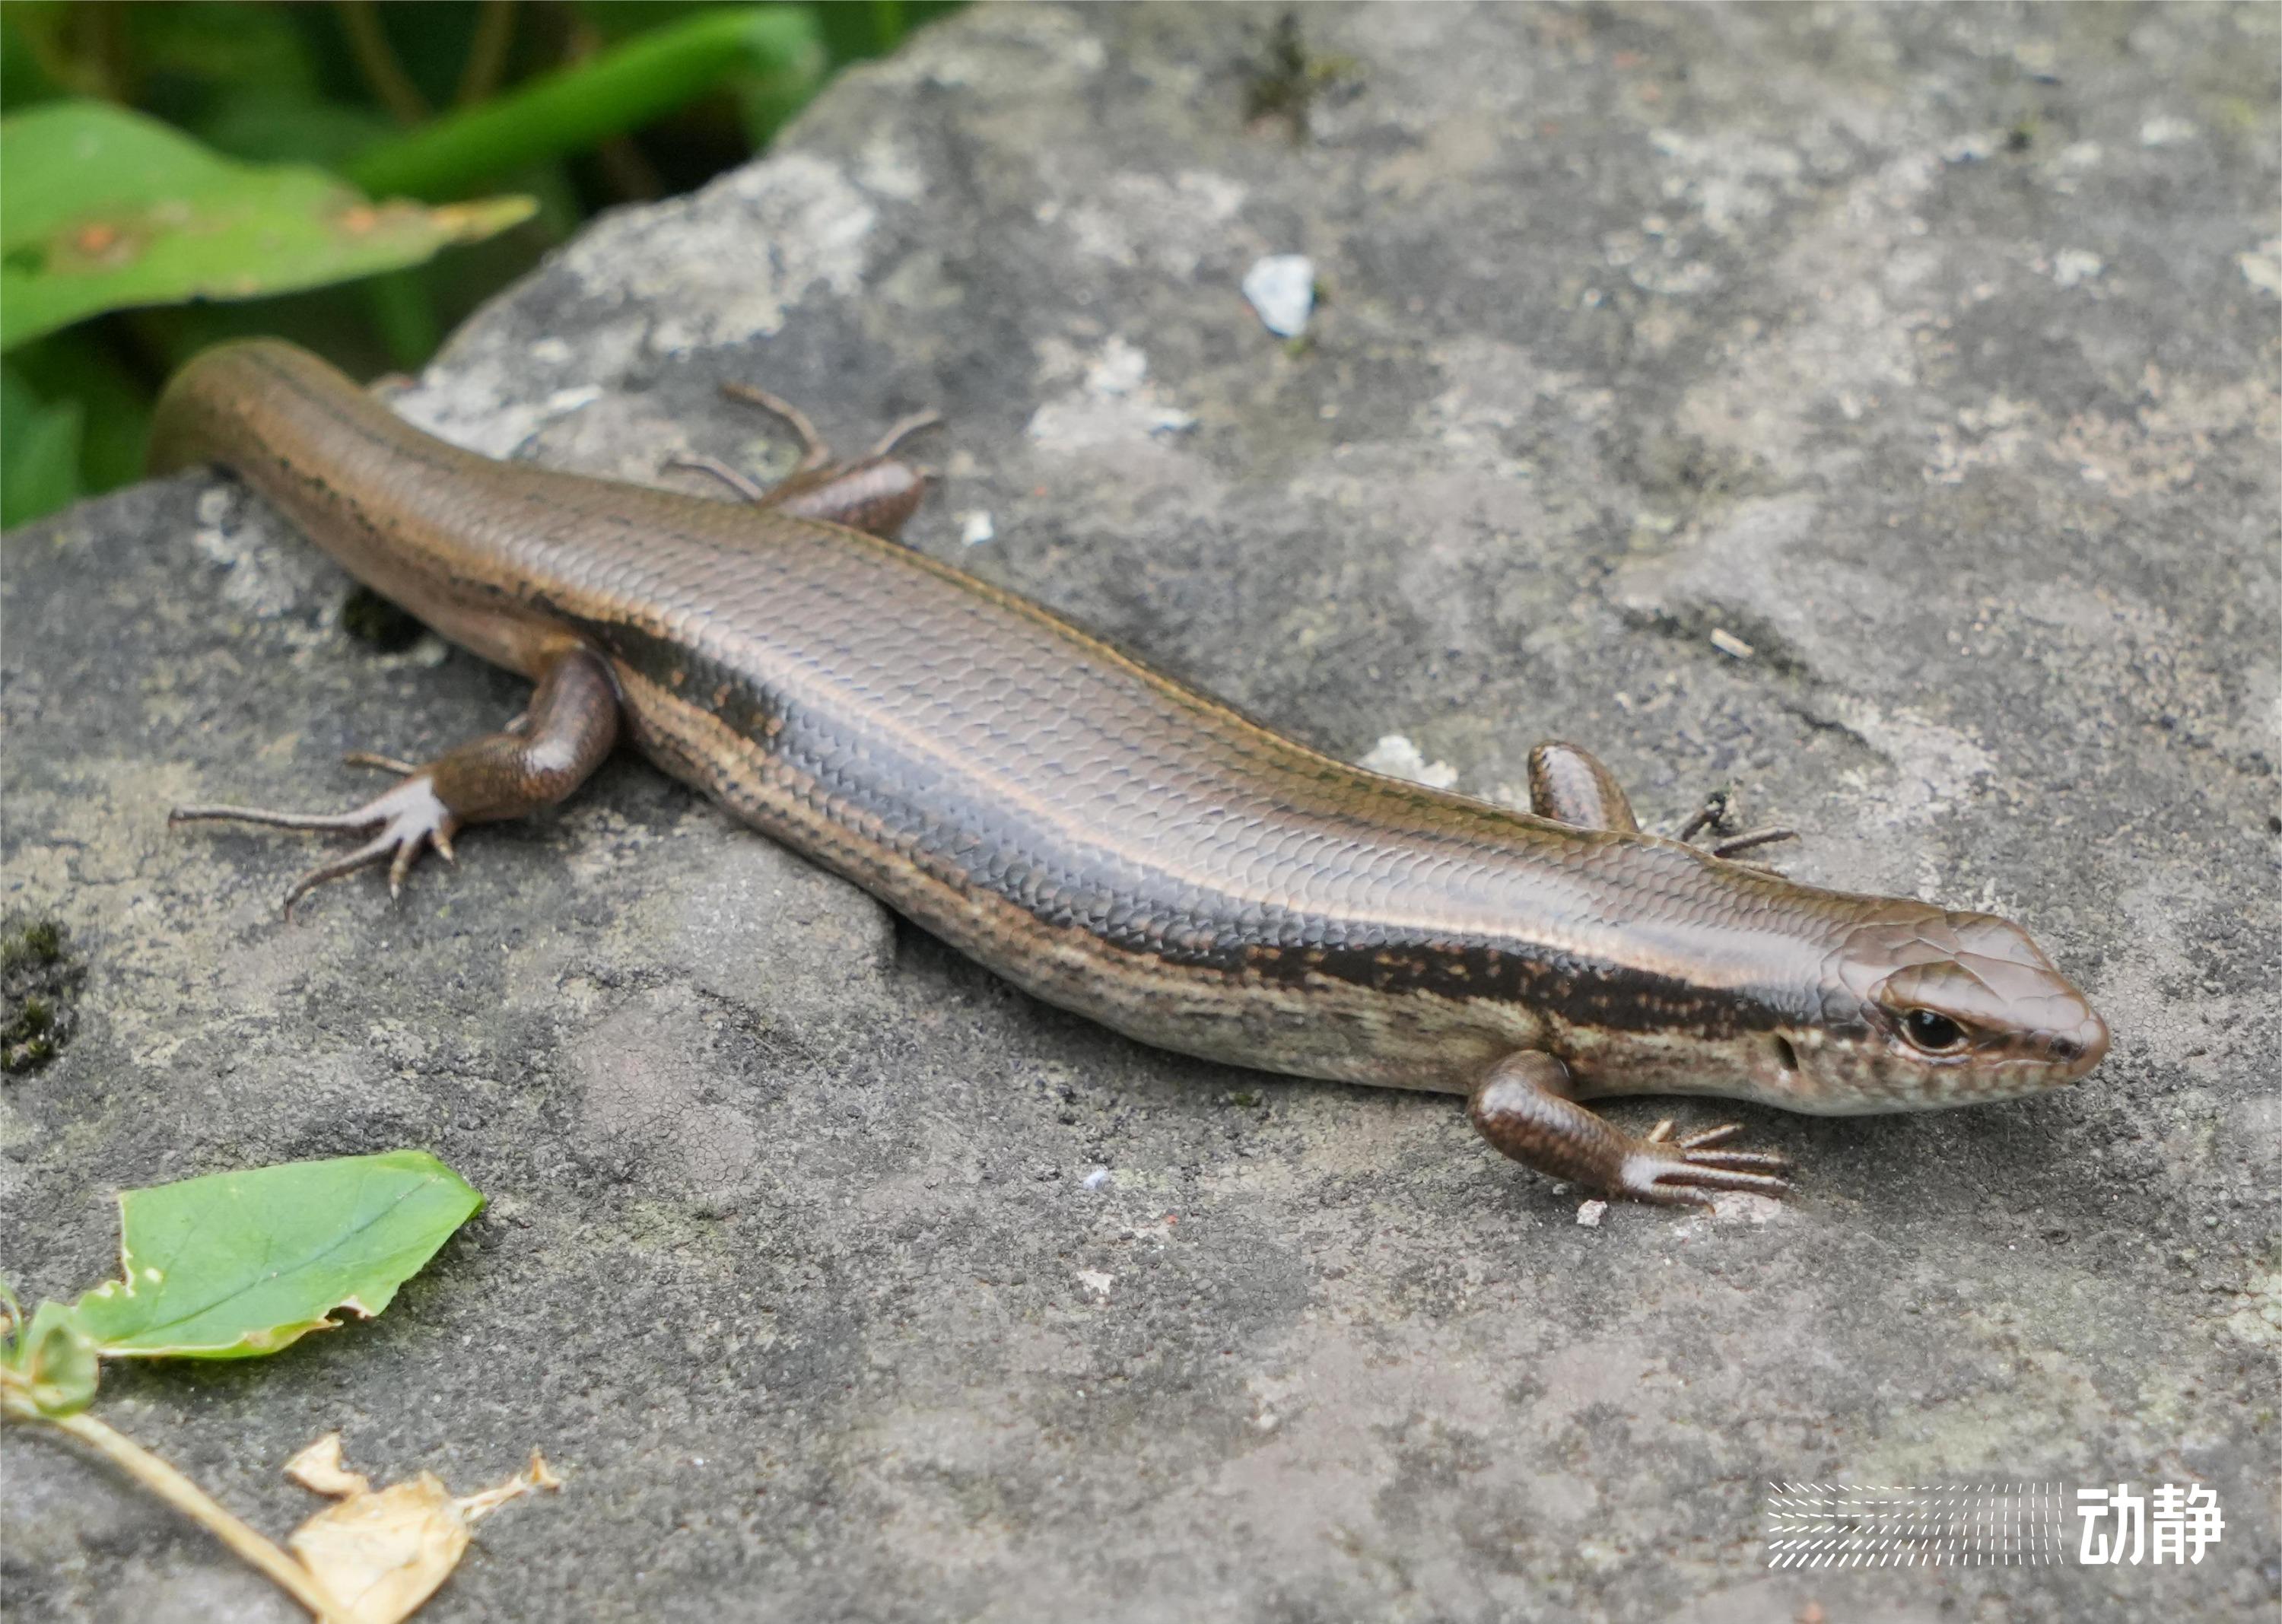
(410,818)
(1685,1172)
(1717,818)
(379,762)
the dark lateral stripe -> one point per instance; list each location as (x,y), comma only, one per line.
(960,846)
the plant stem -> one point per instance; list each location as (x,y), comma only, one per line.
(200,1507)
(567,110)
(376,59)
(486,53)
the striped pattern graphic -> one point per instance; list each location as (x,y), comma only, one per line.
(1915,1524)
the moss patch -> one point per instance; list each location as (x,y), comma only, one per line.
(39,992)
(1287,82)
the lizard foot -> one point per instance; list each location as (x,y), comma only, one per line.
(1716,817)
(1685,1172)
(410,818)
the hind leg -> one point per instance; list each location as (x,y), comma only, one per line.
(538,759)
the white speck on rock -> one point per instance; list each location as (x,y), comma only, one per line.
(564,402)
(726,264)
(1148,220)
(1397,756)
(2167,129)
(266,579)
(1114,402)
(1668,273)
(2261,267)
(2074,265)
(1933,767)
(890,169)
(1281,288)
(975,528)
(1728,643)
(2069,164)
(1096,1282)
(1745,1204)
(1095,1179)
(1119,370)
(550,351)
(1590,1213)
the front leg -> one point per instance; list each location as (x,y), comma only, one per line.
(876,492)
(1569,786)
(547,752)
(1523,1107)
(1717,816)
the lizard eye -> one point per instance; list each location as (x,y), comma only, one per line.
(1935,1033)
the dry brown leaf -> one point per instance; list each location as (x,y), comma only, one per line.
(319,1467)
(380,1555)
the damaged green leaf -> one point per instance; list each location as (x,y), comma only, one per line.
(235,1265)
(103,209)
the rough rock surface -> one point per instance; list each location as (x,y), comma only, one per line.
(1928,351)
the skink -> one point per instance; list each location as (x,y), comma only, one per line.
(1111,840)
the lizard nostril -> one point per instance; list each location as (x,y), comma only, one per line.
(2081,1048)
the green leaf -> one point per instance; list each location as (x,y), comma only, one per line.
(114,404)
(39,452)
(256,127)
(55,1357)
(617,91)
(101,209)
(238,1264)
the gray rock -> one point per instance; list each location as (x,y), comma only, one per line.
(1929,353)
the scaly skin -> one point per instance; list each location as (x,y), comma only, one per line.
(1116,843)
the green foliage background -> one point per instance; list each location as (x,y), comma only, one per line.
(580,105)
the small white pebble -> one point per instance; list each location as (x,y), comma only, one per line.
(1117,371)
(2166,129)
(565,401)
(2073,266)
(1281,288)
(1588,1213)
(2262,268)
(1096,1179)
(975,528)
(1397,756)
(1096,1282)
(1728,643)
(550,351)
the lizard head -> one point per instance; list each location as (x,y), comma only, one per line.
(1924,1007)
